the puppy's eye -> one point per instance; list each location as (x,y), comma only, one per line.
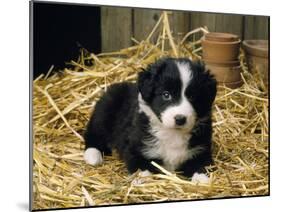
(166,96)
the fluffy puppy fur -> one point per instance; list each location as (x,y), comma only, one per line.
(165,117)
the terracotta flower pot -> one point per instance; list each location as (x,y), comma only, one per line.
(223,63)
(221,37)
(226,74)
(220,51)
(258,48)
(229,76)
(257,57)
(220,54)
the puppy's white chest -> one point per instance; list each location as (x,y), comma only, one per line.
(169,145)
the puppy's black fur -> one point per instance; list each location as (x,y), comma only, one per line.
(118,123)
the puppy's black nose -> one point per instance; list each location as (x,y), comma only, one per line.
(180,120)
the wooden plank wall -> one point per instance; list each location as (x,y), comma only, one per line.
(116,28)
(120,24)
(256,27)
(144,21)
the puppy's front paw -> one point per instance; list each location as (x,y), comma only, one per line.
(93,156)
(145,173)
(200,178)
(140,179)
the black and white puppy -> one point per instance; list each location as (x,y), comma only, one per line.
(165,117)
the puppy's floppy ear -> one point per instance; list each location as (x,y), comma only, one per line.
(148,77)
(145,85)
(210,84)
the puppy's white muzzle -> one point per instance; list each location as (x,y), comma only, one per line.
(179,116)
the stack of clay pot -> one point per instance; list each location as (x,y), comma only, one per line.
(220,54)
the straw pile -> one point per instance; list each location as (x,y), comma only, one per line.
(62,103)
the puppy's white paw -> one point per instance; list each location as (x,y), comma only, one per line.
(93,156)
(140,179)
(145,173)
(137,181)
(200,178)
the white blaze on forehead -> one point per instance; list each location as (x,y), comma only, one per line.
(185,75)
(184,107)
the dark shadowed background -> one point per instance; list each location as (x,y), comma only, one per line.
(61,30)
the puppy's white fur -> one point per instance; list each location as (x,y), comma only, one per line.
(145,173)
(93,156)
(184,107)
(170,144)
(139,181)
(200,178)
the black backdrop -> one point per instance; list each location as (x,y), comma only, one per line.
(60,31)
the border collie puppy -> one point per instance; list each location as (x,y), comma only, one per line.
(165,117)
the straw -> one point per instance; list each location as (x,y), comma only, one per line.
(63,102)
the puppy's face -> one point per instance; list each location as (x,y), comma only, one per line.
(175,92)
